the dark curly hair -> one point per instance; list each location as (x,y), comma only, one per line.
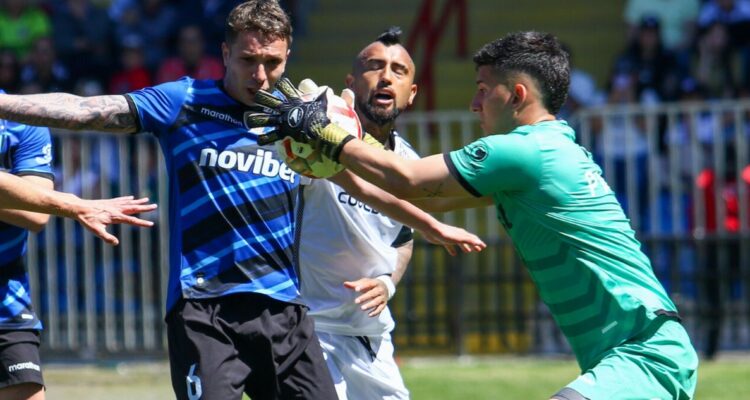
(538,54)
(391,36)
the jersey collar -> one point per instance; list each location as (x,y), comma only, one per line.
(556,126)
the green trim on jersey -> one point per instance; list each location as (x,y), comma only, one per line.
(569,230)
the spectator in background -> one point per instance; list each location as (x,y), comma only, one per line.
(714,67)
(298,11)
(133,74)
(622,148)
(191,60)
(10,71)
(158,26)
(734,16)
(653,66)
(732,13)
(582,92)
(211,16)
(44,73)
(21,24)
(678,22)
(154,21)
(720,259)
(83,38)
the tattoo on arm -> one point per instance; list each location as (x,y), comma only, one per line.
(436,192)
(62,110)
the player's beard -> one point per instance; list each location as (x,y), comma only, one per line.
(378,115)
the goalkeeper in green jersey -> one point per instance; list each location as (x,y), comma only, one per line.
(564,220)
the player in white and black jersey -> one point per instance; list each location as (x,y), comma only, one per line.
(352,255)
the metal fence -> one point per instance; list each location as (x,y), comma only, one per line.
(680,171)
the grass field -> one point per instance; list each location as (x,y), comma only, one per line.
(427,378)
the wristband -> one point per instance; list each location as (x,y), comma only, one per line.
(388,285)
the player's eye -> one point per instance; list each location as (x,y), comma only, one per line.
(273,64)
(374,65)
(400,71)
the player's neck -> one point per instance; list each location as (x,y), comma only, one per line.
(382,133)
(533,115)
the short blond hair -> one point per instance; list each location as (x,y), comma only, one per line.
(264,16)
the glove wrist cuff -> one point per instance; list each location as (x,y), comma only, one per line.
(336,151)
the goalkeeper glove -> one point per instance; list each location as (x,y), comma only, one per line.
(303,121)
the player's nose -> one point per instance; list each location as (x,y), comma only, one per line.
(476,105)
(259,74)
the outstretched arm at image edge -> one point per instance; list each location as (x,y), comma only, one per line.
(433,230)
(406,179)
(94,215)
(67,111)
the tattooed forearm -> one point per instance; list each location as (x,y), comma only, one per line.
(433,192)
(62,110)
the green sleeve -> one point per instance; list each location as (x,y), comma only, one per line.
(496,163)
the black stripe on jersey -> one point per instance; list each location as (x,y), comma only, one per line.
(298,228)
(134,112)
(47,175)
(12,270)
(405,235)
(454,171)
(246,214)
(192,175)
(253,268)
(221,222)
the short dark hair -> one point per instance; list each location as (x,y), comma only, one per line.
(264,16)
(391,36)
(537,54)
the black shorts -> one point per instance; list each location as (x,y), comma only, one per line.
(222,347)
(19,358)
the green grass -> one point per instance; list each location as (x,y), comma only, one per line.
(427,378)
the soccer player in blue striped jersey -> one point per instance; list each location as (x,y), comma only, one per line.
(235,320)
(94,215)
(26,152)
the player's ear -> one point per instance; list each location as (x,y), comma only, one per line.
(349,80)
(520,92)
(412,94)
(225,53)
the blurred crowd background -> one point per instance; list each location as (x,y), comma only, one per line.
(673,49)
(94,47)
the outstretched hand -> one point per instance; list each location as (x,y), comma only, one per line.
(451,237)
(306,121)
(374,296)
(96,215)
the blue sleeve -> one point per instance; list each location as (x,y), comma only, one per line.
(158,106)
(33,153)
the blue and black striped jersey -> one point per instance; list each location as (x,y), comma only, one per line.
(24,150)
(231,201)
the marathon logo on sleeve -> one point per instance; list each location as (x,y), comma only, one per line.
(220,116)
(22,366)
(260,163)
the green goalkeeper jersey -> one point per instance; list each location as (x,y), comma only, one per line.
(569,230)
